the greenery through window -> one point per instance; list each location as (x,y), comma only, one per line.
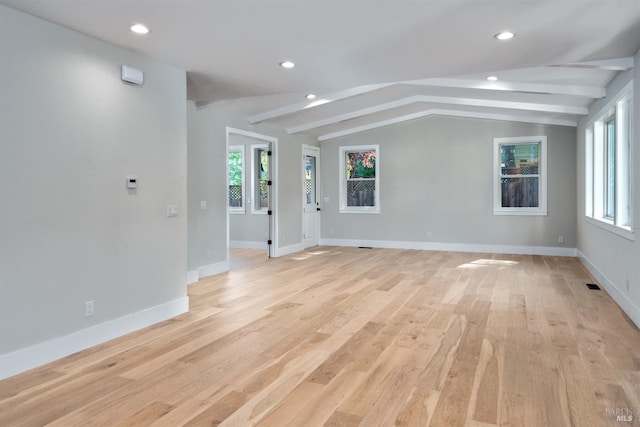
(236,178)
(359,169)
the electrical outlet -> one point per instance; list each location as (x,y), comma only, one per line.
(88,308)
(429,235)
(561,239)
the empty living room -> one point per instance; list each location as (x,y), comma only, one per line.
(319,213)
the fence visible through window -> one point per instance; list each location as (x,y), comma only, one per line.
(235,196)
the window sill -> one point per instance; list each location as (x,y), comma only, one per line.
(360,211)
(260,212)
(625,232)
(520,212)
(237,211)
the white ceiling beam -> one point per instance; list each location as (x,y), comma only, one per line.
(470,102)
(450,113)
(354,114)
(535,88)
(335,96)
(616,64)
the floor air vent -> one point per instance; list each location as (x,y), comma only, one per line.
(593,286)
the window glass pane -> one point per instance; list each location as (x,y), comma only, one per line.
(520,159)
(361,192)
(262,175)
(361,164)
(520,192)
(361,177)
(235,179)
(610,129)
(309,179)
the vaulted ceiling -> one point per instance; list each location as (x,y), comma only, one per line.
(371,63)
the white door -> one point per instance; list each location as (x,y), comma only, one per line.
(310,196)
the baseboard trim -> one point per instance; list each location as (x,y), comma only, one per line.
(288,250)
(212,269)
(625,303)
(244,244)
(30,357)
(192,277)
(454,247)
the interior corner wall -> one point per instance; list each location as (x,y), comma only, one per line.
(71,133)
(207,253)
(611,258)
(436,176)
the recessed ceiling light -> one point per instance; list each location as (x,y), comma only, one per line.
(310,96)
(139,29)
(492,78)
(287,64)
(504,35)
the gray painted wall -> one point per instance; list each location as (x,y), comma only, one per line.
(436,175)
(70,133)
(207,181)
(613,258)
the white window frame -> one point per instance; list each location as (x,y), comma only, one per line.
(255,177)
(620,223)
(343,208)
(541,210)
(238,149)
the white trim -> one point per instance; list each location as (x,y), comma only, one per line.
(30,357)
(212,269)
(625,303)
(238,149)
(342,207)
(551,89)
(245,244)
(315,151)
(467,102)
(498,209)
(449,113)
(625,232)
(254,177)
(192,277)
(454,247)
(335,96)
(287,250)
(274,178)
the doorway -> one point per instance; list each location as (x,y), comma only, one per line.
(310,196)
(251,186)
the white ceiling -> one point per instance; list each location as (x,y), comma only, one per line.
(377,61)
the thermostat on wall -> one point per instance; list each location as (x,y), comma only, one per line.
(132,182)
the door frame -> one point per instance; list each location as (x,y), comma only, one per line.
(318,189)
(273,176)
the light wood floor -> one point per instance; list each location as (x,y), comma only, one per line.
(371,337)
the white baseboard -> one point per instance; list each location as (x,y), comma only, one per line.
(287,250)
(192,277)
(625,303)
(454,247)
(211,269)
(244,244)
(30,357)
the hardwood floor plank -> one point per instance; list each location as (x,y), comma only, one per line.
(340,336)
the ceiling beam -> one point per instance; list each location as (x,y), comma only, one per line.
(616,64)
(469,102)
(335,96)
(450,113)
(535,88)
